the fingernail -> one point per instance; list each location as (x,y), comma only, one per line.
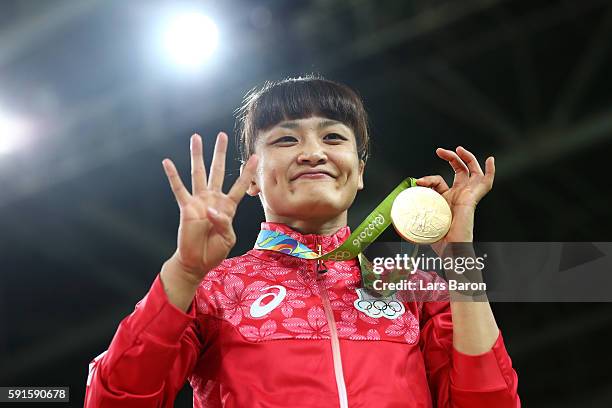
(213,211)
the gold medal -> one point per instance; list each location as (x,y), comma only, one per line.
(421,215)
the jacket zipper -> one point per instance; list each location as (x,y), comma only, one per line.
(335,343)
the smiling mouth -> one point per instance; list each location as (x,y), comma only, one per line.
(314,176)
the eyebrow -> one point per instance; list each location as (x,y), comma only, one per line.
(322,124)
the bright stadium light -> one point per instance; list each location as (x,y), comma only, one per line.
(190,39)
(13,132)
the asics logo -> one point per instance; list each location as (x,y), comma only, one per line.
(257,310)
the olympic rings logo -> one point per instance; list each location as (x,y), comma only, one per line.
(380,307)
(377,308)
(340,256)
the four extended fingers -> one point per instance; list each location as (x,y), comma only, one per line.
(198,172)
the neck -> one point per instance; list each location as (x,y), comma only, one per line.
(324,226)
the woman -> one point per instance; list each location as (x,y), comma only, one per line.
(266,329)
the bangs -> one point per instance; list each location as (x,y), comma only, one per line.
(299,98)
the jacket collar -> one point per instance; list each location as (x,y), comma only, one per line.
(327,242)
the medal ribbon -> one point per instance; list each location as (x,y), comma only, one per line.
(366,233)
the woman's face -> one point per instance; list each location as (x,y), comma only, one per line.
(308,168)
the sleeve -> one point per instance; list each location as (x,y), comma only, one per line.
(458,380)
(150,357)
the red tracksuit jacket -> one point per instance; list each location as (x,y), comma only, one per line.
(267,330)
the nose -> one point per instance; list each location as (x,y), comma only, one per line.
(312,154)
(312,158)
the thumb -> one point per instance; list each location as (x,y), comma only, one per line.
(222,224)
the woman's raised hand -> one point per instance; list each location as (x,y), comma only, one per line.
(205,234)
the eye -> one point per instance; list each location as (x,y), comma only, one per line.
(285,139)
(335,137)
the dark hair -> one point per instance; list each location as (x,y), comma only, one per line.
(298,98)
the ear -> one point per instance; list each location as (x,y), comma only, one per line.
(253,188)
(361,170)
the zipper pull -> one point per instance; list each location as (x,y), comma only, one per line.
(320,262)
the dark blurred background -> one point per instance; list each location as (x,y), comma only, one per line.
(90,104)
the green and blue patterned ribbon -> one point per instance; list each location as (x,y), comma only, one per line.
(279,242)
